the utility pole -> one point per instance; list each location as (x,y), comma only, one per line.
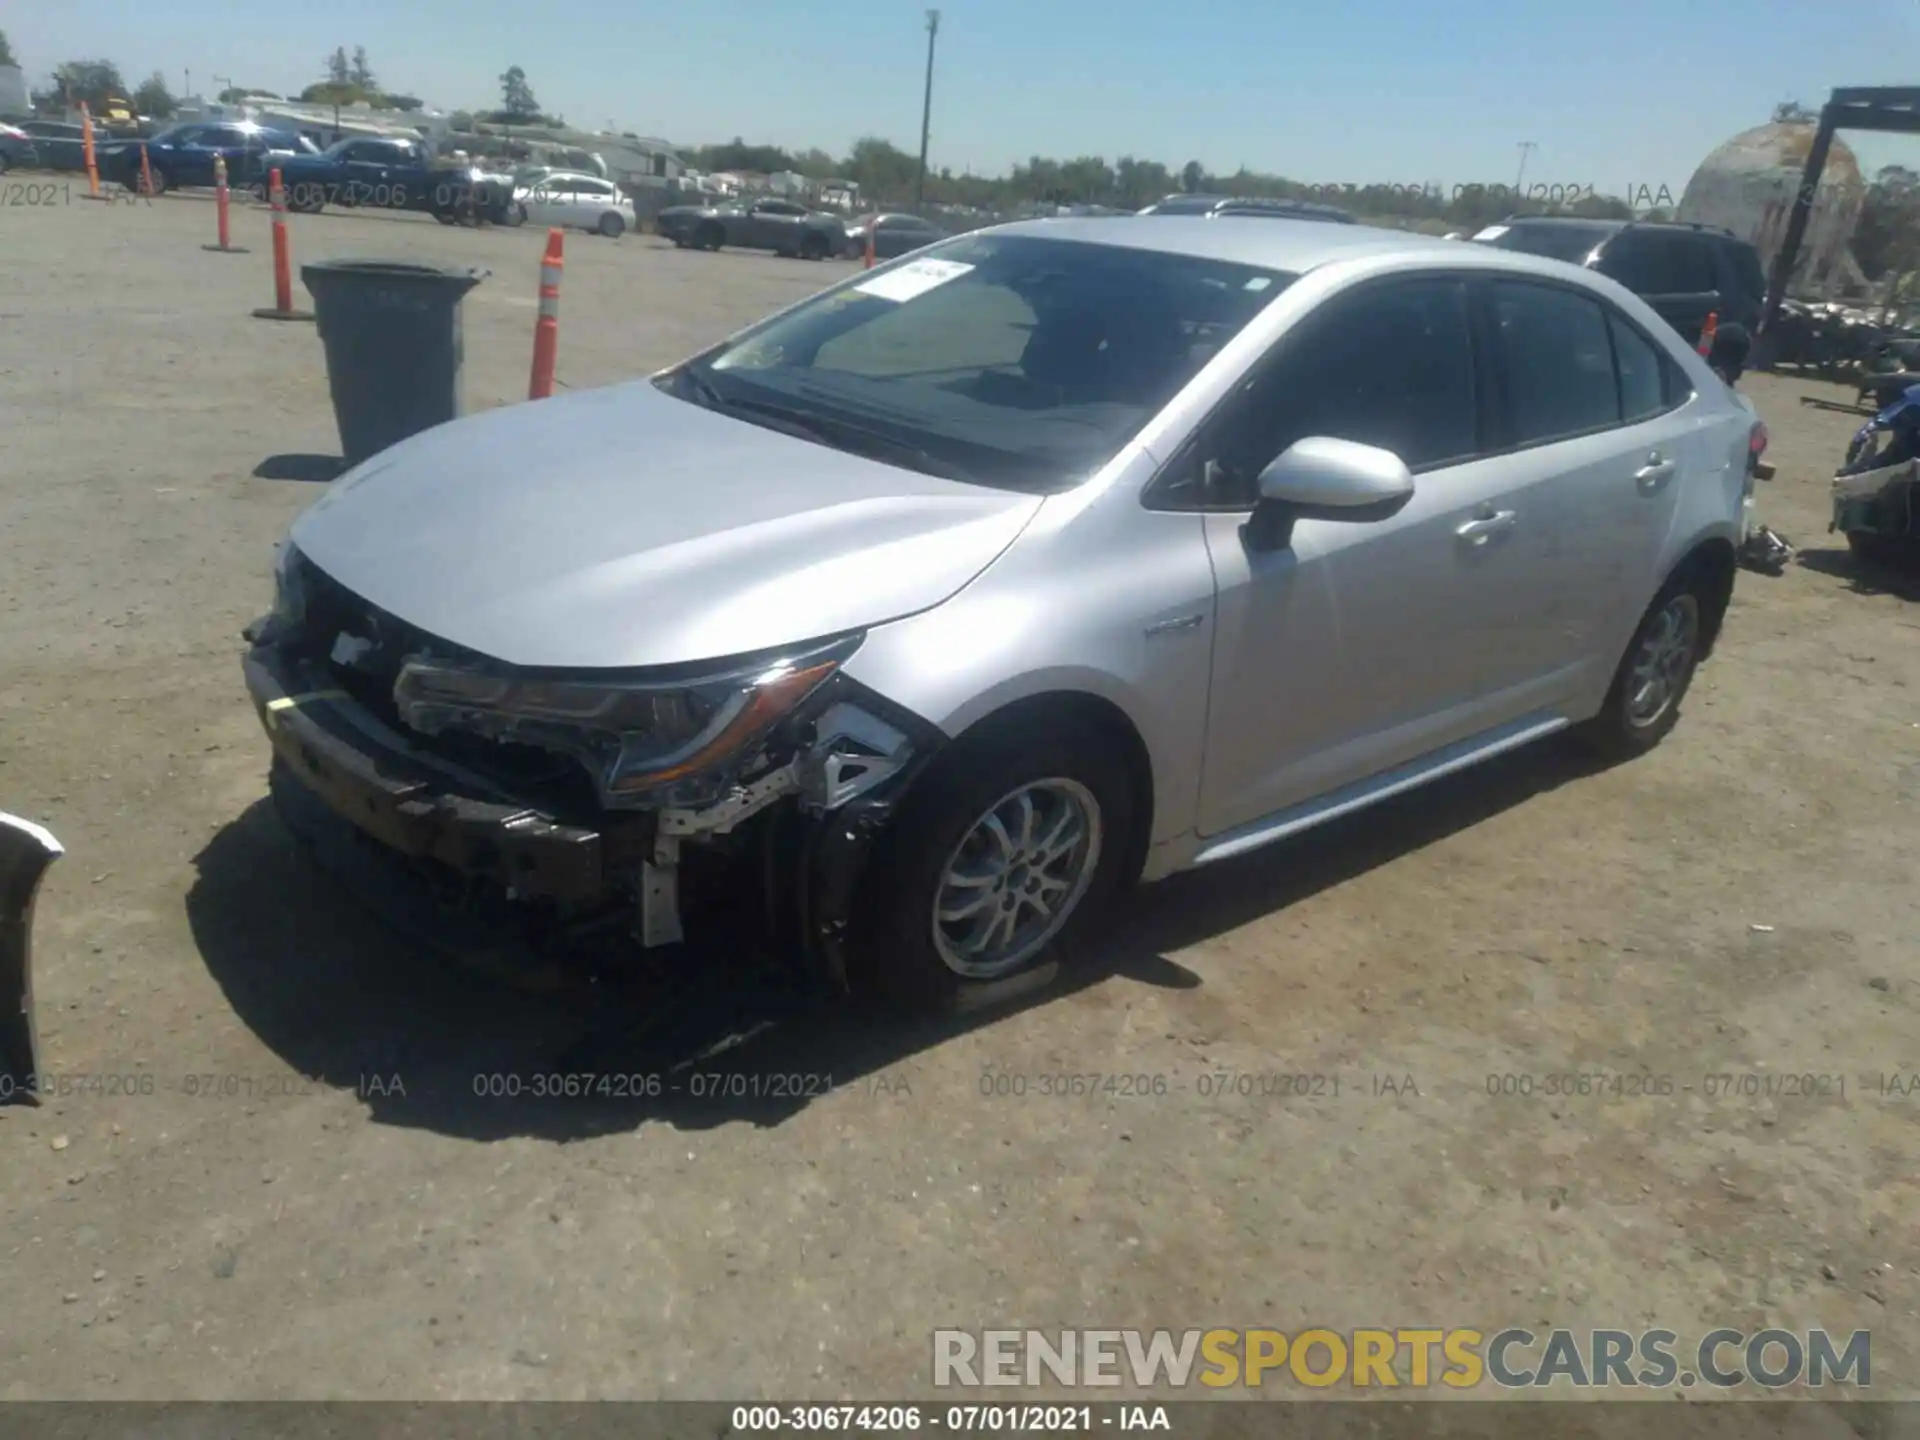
(1527,147)
(926,109)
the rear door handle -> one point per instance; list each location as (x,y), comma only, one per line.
(1483,528)
(1655,473)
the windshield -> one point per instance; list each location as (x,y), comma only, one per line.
(1571,243)
(1010,360)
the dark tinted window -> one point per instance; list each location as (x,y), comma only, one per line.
(1654,262)
(1746,268)
(1391,366)
(1558,361)
(1643,382)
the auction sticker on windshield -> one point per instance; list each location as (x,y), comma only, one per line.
(913,279)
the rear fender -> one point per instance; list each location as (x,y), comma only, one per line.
(26,853)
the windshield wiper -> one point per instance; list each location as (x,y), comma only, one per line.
(838,434)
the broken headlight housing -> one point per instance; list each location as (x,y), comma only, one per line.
(645,742)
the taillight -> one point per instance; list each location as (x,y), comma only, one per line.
(1756,448)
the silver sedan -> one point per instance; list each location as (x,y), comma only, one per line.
(1055,557)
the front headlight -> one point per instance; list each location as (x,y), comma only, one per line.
(289,588)
(637,738)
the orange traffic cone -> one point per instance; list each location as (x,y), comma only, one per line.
(1707,332)
(546,329)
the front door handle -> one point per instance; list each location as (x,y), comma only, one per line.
(1482,528)
(1655,473)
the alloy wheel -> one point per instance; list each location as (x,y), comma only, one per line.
(1661,663)
(1009,887)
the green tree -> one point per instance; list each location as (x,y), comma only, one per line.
(339,72)
(881,169)
(89,80)
(1887,239)
(516,95)
(1193,175)
(1792,112)
(153,98)
(6,51)
(361,73)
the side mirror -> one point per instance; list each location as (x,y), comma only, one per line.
(1321,478)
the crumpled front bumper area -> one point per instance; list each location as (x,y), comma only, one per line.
(494,875)
(419,804)
(1883,501)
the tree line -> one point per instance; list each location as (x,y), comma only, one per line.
(350,80)
(887,174)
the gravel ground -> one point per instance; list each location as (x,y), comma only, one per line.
(1740,903)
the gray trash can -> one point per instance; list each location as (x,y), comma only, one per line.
(392,336)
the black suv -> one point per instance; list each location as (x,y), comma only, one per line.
(1685,272)
(1237,205)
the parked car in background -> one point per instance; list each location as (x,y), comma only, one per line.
(947,602)
(893,234)
(1685,272)
(575,201)
(777,225)
(59,145)
(16,149)
(184,155)
(1242,205)
(393,173)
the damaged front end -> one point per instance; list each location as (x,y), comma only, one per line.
(1876,494)
(585,798)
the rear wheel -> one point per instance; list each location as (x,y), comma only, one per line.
(814,247)
(1000,860)
(153,183)
(1643,703)
(709,237)
(611,226)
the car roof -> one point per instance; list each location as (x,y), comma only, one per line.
(1614,227)
(1272,241)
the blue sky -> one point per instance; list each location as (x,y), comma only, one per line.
(1617,95)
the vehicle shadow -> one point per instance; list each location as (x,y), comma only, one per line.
(313,469)
(1863,577)
(731,1033)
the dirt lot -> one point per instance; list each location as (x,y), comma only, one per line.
(1739,904)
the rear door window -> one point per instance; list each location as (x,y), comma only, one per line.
(1644,387)
(1557,361)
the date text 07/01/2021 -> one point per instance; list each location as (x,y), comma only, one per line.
(892,1419)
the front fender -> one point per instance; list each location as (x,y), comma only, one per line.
(26,852)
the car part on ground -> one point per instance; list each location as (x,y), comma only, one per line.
(1067,513)
(393,346)
(27,851)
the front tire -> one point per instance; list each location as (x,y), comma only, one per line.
(999,862)
(814,247)
(709,237)
(611,226)
(1643,703)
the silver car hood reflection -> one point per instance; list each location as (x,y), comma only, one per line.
(624,527)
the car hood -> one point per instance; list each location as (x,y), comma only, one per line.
(624,528)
